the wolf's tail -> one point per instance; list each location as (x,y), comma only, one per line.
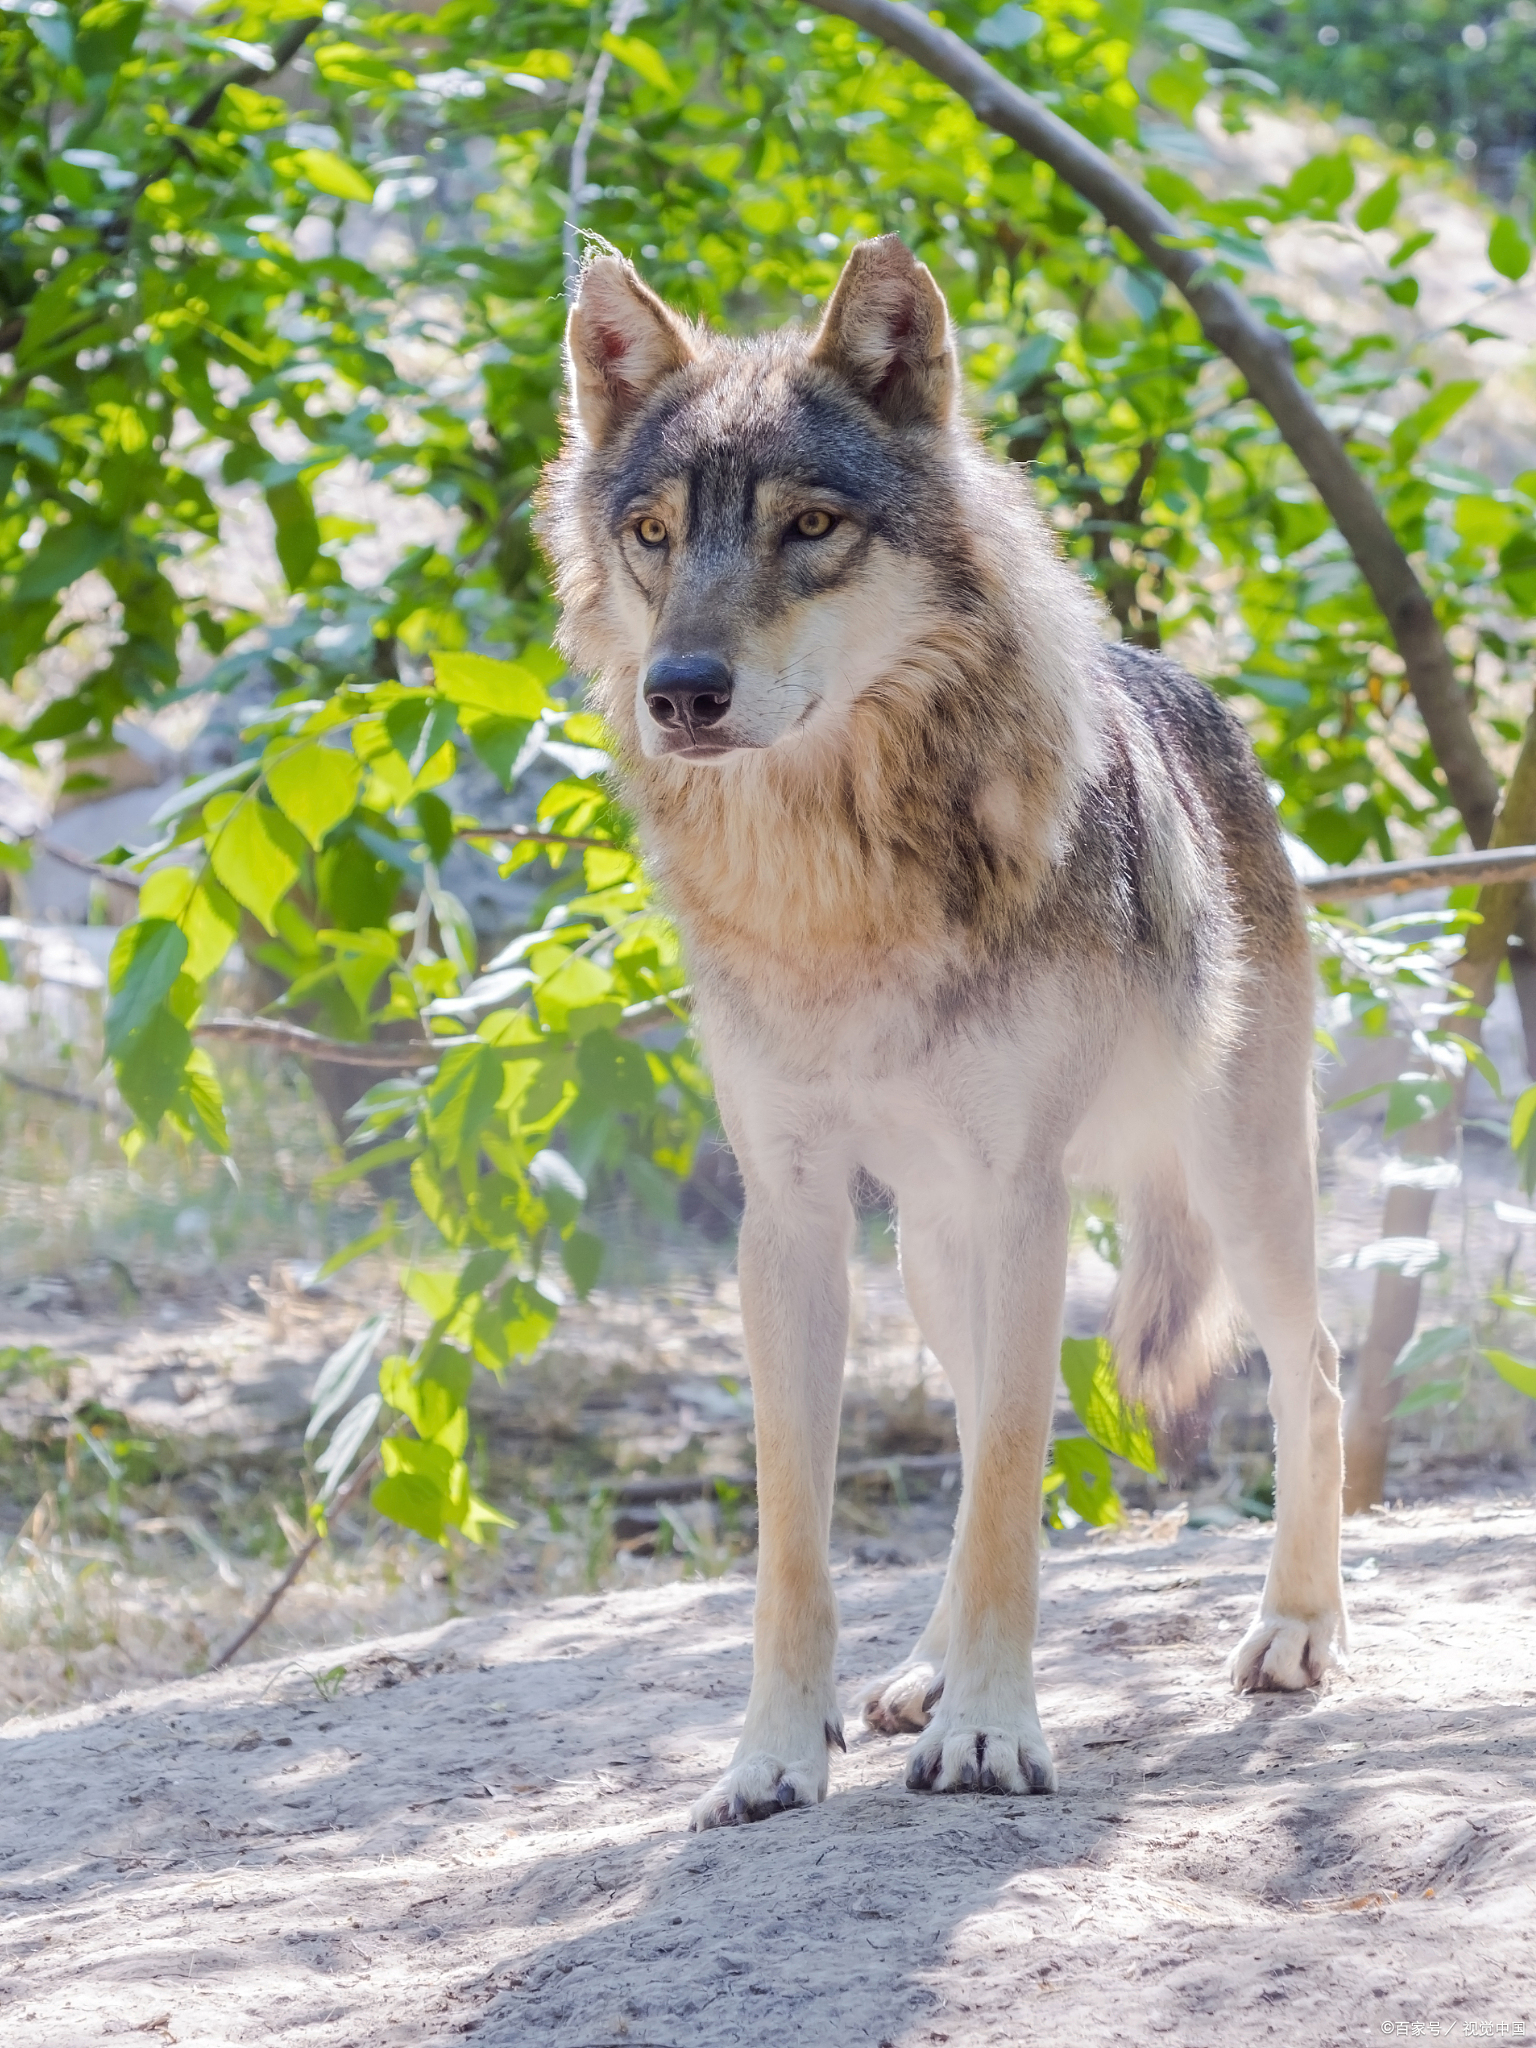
(1173,1321)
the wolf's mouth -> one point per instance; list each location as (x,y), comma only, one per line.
(702,750)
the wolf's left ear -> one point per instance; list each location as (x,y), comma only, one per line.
(620,341)
(887,332)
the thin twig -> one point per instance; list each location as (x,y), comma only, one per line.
(1446,870)
(87,866)
(341,1052)
(669,1009)
(264,1613)
(42,1088)
(621,15)
(529,835)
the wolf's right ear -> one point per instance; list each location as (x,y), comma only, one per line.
(620,341)
(886,331)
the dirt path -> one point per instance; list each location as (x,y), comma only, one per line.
(481,1832)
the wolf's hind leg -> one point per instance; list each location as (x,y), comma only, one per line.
(1260,1205)
(936,1270)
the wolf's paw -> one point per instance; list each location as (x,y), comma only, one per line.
(758,1787)
(1281,1654)
(902,1702)
(960,1759)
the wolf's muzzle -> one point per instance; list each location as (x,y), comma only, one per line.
(688,692)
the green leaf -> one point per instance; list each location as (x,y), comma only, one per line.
(1432,1347)
(643,58)
(1178,87)
(335,1461)
(331,174)
(1409,247)
(145,962)
(1413,1099)
(436,822)
(1321,186)
(477,682)
(578,996)
(1516,1372)
(581,1254)
(1009,29)
(1508,250)
(1431,1395)
(413,1502)
(462,1101)
(257,855)
(614,1074)
(1377,208)
(106,37)
(152,1071)
(1212,32)
(61,557)
(1088,1367)
(527,1317)
(298,531)
(374,1240)
(1485,522)
(1088,1485)
(315,787)
(1428,420)
(562,1187)
(341,1373)
(205,912)
(369,1162)
(1520,1119)
(426,1488)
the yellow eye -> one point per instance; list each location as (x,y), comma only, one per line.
(814,525)
(651,533)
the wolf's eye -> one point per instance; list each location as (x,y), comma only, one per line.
(650,533)
(814,525)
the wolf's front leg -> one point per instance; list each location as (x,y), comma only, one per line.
(793,1262)
(985,1735)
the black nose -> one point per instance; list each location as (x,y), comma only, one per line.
(688,689)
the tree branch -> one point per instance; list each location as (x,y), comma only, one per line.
(1257,349)
(253,74)
(1450,870)
(341,1052)
(528,835)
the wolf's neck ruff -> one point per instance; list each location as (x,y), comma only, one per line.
(895,762)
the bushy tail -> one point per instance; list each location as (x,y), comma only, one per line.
(1173,1321)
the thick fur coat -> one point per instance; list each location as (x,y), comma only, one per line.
(974,899)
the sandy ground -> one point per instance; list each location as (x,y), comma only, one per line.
(479,1830)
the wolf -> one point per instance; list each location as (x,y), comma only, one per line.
(978,903)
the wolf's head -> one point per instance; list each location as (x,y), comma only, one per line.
(751,534)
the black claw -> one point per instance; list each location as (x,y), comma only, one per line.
(923,1770)
(934,1694)
(834,1733)
(784,1793)
(1037,1774)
